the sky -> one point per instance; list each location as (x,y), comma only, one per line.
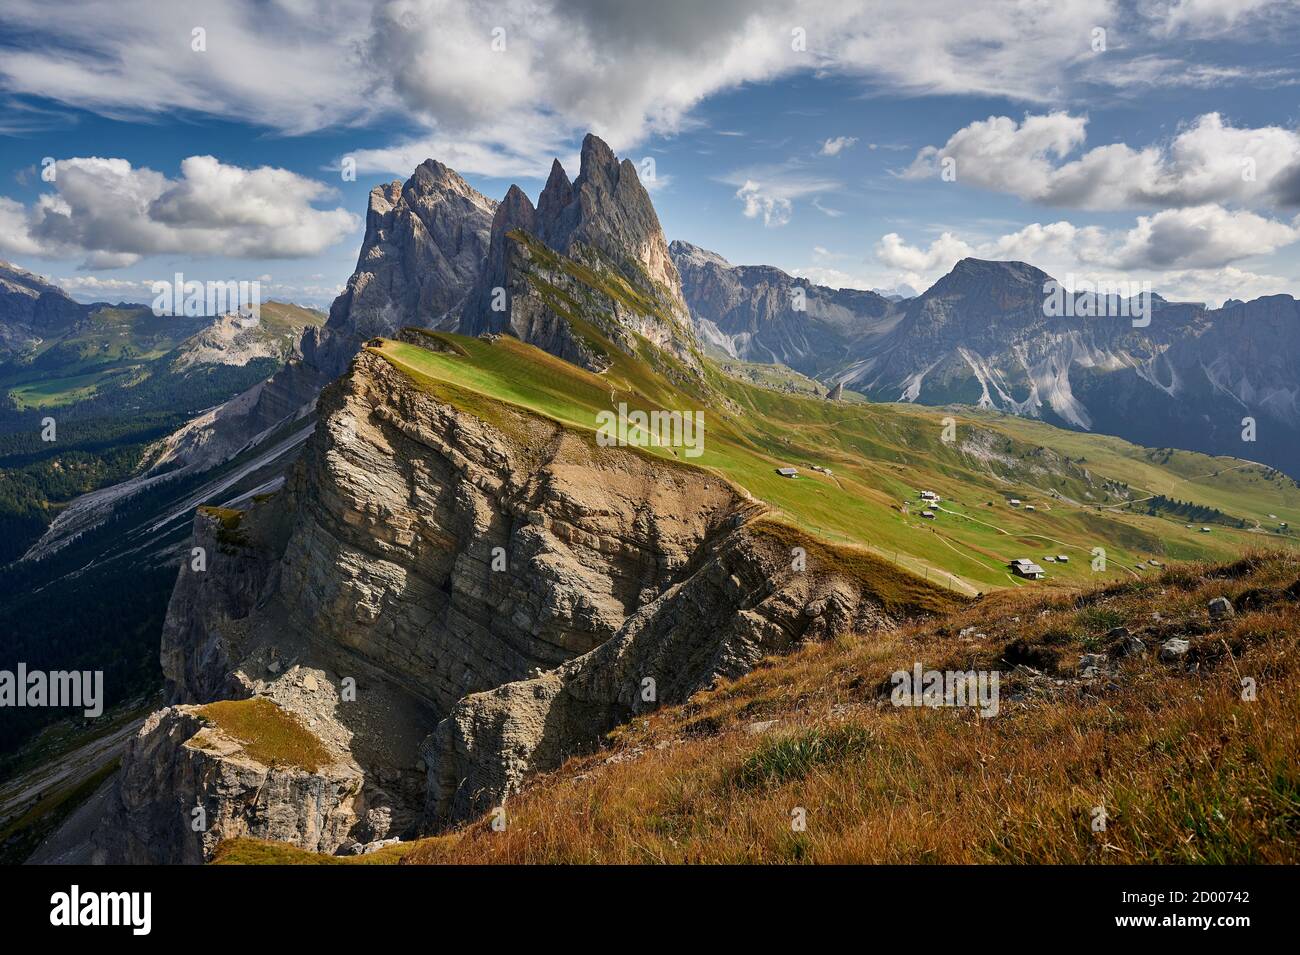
(866,145)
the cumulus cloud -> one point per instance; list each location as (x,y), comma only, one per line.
(1186,249)
(1203,237)
(836,145)
(1209,161)
(492,86)
(112,213)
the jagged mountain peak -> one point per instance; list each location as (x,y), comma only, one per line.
(609,209)
(556,195)
(433,176)
(602,222)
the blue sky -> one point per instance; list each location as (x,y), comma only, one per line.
(808,135)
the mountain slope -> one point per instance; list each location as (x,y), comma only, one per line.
(461,544)
(31,310)
(761,314)
(1182,767)
(618,563)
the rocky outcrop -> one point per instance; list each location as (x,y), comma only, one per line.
(185,785)
(425,241)
(217,584)
(423,572)
(607,209)
(744,602)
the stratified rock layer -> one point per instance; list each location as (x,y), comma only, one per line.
(449,602)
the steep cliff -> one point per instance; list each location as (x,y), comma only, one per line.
(449,597)
(425,241)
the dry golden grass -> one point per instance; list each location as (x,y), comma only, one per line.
(1186,769)
(267,733)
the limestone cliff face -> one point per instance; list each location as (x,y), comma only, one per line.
(608,209)
(416,556)
(448,602)
(743,602)
(426,240)
(425,243)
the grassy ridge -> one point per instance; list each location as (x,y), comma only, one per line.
(881,456)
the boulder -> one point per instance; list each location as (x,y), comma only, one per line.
(1174,649)
(1221,608)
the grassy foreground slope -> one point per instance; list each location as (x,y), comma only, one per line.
(1184,763)
(1086,491)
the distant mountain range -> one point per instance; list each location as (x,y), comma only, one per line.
(981,336)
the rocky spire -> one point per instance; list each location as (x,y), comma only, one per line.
(609,209)
(425,242)
(515,212)
(556,197)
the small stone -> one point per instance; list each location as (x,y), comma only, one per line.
(756,729)
(1174,649)
(1221,608)
(1090,664)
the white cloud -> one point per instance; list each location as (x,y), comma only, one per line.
(825,209)
(14,240)
(1209,161)
(93,288)
(622,70)
(775,210)
(135,57)
(1202,17)
(1187,251)
(113,213)
(835,146)
(770,190)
